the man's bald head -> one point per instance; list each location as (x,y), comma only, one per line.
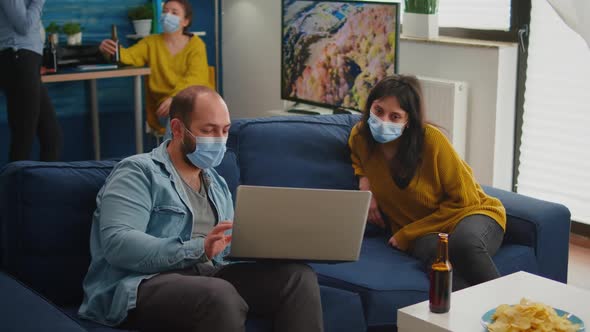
(197,113)
(195,100)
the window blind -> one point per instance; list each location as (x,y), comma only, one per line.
(555,148)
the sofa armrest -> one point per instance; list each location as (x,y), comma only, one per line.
(21,309)
(543,225)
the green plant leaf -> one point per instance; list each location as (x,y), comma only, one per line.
(71,28)
(143,12)
(53,28)
(421,6)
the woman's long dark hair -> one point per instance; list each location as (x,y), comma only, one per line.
(408,156)
(188,14)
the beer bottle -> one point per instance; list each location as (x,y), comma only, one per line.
(115,58)
(441,278)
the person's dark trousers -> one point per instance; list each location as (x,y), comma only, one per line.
(30,112)
(472,244)
(220,300)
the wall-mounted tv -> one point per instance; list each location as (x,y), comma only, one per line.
(334,52)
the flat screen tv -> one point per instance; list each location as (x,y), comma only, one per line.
(334,52)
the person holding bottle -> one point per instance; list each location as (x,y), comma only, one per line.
(421,186)
(30,112)
(177,58)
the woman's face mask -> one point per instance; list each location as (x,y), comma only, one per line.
(385,132)
(387,120)
(170,22)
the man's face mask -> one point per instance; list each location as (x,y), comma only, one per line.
(208,151)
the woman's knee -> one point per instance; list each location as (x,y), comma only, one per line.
(466,244)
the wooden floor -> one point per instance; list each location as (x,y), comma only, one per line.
(579,263)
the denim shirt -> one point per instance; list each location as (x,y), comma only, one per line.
(20,25)
(142,226)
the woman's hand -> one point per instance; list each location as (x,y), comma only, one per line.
(375,216)
(392,242)
(164,108)
(216,240)
(364,184)
(108,47)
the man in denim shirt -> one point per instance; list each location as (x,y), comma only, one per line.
(30,112)
(161,230)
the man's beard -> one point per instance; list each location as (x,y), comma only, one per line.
(187,147)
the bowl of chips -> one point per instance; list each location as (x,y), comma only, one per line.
(529,316)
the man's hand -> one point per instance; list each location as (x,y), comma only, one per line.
(108,47)
(392,242)
(216,241)
(164,108)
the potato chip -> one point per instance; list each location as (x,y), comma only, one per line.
(529,316)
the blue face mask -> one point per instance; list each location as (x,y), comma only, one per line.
(385,132)
(170,23)
(209,151)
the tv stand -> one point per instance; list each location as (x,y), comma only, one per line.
(307,109)
(297,108)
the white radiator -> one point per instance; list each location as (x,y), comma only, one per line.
(446,107)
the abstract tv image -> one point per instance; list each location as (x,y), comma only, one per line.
(334,52)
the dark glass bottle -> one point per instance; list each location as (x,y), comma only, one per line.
(115,58)
(441,278)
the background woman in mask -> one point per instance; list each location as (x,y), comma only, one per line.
(421,186)
(176,57)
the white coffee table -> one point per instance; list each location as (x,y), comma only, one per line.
(468,305)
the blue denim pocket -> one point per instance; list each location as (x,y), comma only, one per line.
(167,221)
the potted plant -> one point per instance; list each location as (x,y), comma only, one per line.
(141,16)
(53,30)
(74,32)
(421,18)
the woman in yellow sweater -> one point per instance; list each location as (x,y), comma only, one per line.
(421,186)
(176,57)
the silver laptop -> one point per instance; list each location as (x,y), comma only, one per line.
(299,224)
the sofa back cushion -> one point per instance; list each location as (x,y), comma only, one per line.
(45,217)
(297,151)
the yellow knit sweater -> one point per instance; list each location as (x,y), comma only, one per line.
(442,192)
(170,74)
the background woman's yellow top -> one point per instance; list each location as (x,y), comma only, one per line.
(170,73)
(442,192)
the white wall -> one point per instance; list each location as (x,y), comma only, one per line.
(490,70)
(251,56)
(251,80)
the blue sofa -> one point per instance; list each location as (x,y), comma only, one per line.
(46,208)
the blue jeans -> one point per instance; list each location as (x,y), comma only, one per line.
(472,244)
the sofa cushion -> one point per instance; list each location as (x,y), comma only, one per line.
(385,278)
(343,310)
(513,258)
(388,279)
(302,151)
(22,310)
(230,171)
(46,216)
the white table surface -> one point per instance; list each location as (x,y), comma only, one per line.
(468,305)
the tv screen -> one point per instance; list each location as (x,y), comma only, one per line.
(334,52)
